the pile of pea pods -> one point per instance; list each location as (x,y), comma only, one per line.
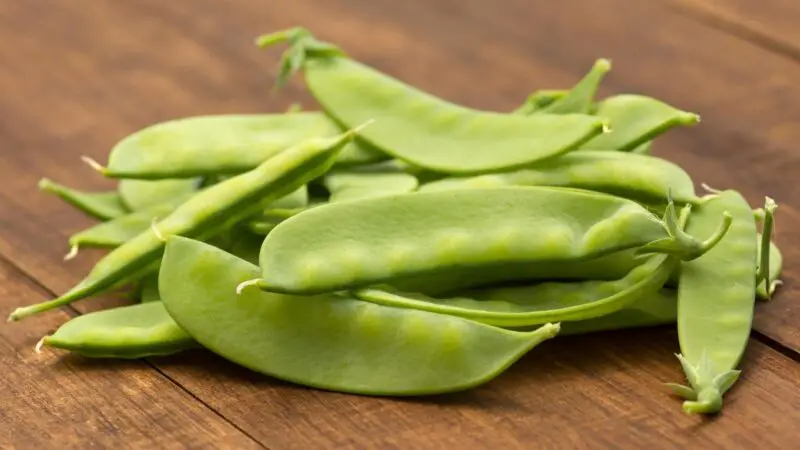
(393,243)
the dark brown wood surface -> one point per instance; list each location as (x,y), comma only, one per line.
(77,76)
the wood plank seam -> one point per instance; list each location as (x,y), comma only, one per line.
(736,28)
(73,312)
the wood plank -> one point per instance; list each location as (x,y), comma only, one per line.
(150,61)
(602,391)
(49,401)
(771,24)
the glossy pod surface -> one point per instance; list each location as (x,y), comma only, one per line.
(635,120)
(215,144)
(99,205)
(638,177)
(134,331)
(716,300)
(377,240)
(421,128)
(537,304)
(217,208)
(330,342)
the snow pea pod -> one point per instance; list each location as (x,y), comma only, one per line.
(715,304)
(420,128)
(99,205)
(381,239)
(206,214)
(635,120)
(218,145)
(539,99)
(127,332)
(580,98)
(142,194)
(658,308)
(537,304)
(637,177)
(368,181)
(331,341)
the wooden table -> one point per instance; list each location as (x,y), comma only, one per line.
(78,75)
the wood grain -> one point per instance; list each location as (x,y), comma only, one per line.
(771,24)
(48,400)
(602,391)
(98,70)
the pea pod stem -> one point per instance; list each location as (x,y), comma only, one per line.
(766,236)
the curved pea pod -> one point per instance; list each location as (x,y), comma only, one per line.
(127,332)
(206,214)
(449,282)
(368,181)
(635,120)
(381,239)
(637,177)
(715,304)
(580,98)
(331,342)
(537,304)
(420,128)
(658,308)
(117,231)
(214,144)
(99,205)
(140,195)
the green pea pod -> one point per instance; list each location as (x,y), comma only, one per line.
(219,145)
(118,231)
(637,177)
(715,304)
(581,96)
(463,230)
(775,267)
(538,304)
(420,128)
(126,332)
(540,99)
(140,195)
(659,308)
(643,149)
(331,342)
(149,289)
(216,209)
(99,205)
(368,181)
(636,119)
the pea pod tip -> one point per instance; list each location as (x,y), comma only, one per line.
(94,164)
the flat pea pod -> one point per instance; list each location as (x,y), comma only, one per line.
(216,209)
(715,304)
(643,149)
(381,239)
(368,181)
(142,194)
(580,98)
(102,205)
(126,332)
(420,128)
(637,177)
(225,144)
(537,304)
(331,342)
(636,119)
